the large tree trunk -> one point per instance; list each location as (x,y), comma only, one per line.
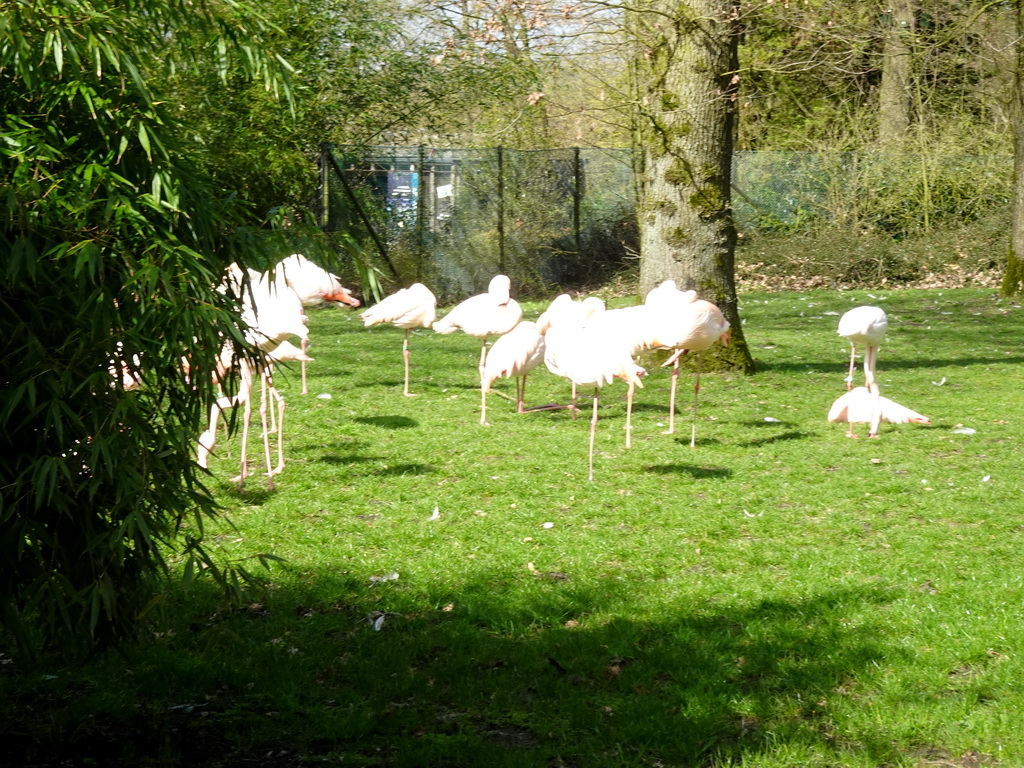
(1013,280)
(687,81)
(894,97)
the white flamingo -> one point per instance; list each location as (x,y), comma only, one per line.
(865,325)
(691,327)
(589,357)
(313,285)
(484,316)
(409,308)
(860,406)
(563,312)
(273,313)
(515,355)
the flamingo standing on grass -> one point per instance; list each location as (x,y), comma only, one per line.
(484,316)
(589,357)
(409,308)
(513,355)
(313,285)
(866,325)
(693,327)
(273,313)
(563,312)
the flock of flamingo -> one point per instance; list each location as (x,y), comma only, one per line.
(581,341)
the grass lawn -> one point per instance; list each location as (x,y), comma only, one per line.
(460,595)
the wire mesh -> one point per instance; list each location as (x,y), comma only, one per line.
(452,218)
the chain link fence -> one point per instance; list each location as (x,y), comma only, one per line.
(452,218)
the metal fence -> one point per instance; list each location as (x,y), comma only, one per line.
(452,218)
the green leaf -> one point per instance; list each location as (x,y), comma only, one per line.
(144,140)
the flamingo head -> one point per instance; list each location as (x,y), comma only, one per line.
(343,296)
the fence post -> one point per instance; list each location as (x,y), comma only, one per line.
(325,194)
(501,209)
(577,195)
(421,210)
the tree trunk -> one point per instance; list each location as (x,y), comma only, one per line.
(687,82)
(1013,280)
(897,71)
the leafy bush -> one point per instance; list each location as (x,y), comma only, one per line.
(112,246)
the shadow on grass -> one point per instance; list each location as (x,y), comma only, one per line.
(793,434)
(387,422)
(406,469)
(396,470)
(502,669)
(331,458)
(693,470)
(884,364)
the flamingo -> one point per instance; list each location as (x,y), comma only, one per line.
(563,312)
(860,406)
(313,285)
(412,307)
(273,313)
(864,325)
(666,294)
(589,357)
(693,327)
(485,315)
(513,355)
(668,319)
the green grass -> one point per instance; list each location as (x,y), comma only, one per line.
(778,596)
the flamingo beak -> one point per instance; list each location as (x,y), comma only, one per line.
(343,297)
(725,338)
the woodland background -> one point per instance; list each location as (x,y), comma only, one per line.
(918,94)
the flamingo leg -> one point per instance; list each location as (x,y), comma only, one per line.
(853,364)
(305,389)
(279,399)
(629,415)
(872,386)
(208,440)
(405,356)
(273,418)
(593,430)
(263,420)
(696,392)
(483,393)
(672,400)
(520,393)
(245,396)
(572,407)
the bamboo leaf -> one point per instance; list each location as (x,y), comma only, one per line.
(144,140)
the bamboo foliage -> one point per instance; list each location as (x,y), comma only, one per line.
(111,246)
